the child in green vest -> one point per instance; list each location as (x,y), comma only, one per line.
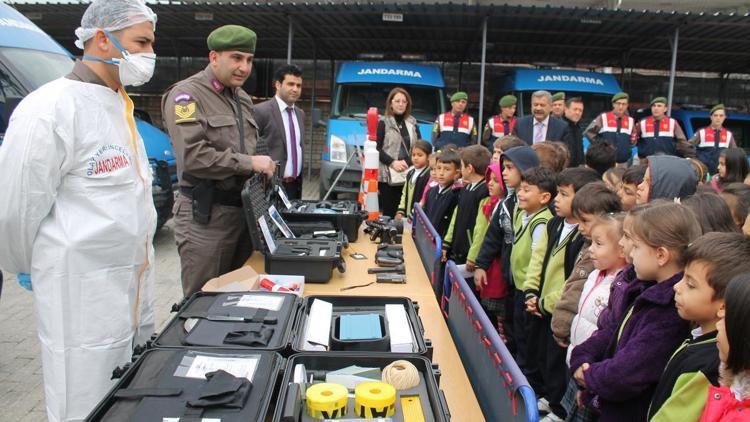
(457,241)
(416,178)
(551,263)
(538,187)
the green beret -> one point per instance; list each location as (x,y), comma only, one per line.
(232,38)
(717,107)
(620,96)
(558,96)
(508,101)
(458,96)
(659,100)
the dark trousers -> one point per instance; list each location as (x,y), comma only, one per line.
(209,250)
(388,198)
(549,358)
(524,357)
(293,189)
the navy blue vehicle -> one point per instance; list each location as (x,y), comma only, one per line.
(29,58)
(359,86)
(693,120)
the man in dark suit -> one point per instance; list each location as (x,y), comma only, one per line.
(573,114)
(281,127)
(540,126)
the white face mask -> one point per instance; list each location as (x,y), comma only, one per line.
(136,69)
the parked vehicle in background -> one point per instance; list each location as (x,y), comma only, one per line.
(359,86)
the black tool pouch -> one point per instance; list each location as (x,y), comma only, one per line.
(203,199)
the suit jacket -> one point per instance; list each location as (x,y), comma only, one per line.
(557,130)
(271,130)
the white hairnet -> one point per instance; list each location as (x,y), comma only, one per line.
(112,15)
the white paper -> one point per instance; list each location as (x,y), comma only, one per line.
(318,329)
(267,234)
(202,420)
(284,198)
(399,329)
(280,223)
(270,302)
(464,272)
(239,367)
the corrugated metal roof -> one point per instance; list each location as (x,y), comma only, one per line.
(584,37)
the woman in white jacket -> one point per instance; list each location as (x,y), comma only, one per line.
(609,256)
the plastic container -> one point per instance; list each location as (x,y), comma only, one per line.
(178,370)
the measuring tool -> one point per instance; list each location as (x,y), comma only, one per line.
(411,407)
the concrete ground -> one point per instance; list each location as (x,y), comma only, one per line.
(21,389)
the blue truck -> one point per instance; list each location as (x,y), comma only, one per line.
(596,89)
(360,85)
(30,58)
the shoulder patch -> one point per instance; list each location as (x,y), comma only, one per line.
(184,96)
(185,112)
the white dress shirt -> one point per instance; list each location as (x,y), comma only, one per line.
(288,169)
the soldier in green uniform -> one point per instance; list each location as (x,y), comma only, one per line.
(210,121)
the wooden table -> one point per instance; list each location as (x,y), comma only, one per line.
(454,381)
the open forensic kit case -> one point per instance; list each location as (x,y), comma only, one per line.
(319,386)
(360,324)
(171,385)
(311,256)
(341,214)
(257,320)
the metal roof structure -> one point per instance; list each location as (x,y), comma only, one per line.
(447,32)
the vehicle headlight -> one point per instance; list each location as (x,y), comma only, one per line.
(338,150)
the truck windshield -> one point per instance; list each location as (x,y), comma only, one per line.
(35,68)
(739,128)
(353,100)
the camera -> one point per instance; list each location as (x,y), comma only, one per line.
(386,229)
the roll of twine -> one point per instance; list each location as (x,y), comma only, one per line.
(401,374)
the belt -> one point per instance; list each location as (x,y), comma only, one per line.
(289,179)
(221,197)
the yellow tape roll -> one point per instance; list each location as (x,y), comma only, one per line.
(374,400)
(326,401)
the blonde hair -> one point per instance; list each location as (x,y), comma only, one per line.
(613,220)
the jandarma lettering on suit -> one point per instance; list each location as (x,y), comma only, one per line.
(397,72)
(567,78)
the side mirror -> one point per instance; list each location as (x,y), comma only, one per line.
(317,118)
(7,109)
(143,115)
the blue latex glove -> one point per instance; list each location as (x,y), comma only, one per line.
(24,280)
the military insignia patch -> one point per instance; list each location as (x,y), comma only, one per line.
(185,112)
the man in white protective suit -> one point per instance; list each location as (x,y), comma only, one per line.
(76,209)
